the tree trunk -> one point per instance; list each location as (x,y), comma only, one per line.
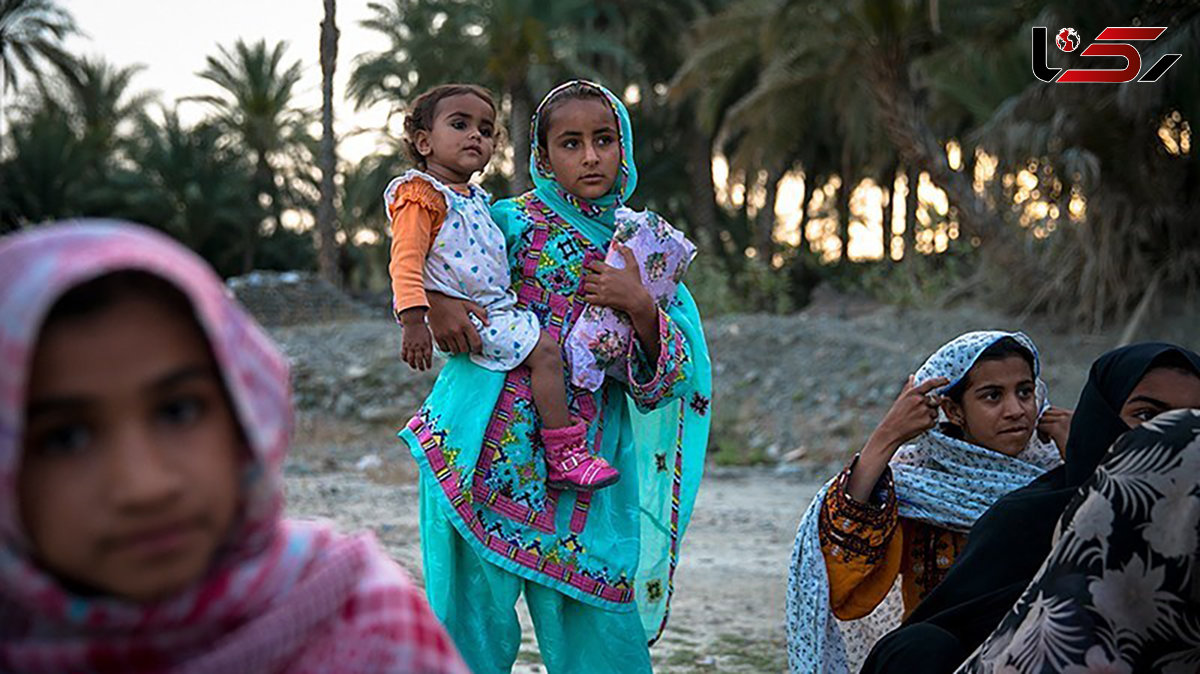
(764,226)
(910,214)
(843,205)
(518,132)
(326,218)
(805,204)
(744,215)
(265,178)
(906,126)
(885,235)
(702,206)
(887,208)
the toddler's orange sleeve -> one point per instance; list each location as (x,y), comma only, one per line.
(416,211)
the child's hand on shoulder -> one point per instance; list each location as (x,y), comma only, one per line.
(416,344)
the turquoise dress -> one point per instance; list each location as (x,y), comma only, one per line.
(491,528)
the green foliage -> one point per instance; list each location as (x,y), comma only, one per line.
(758,287)
(197,188)
(256,111)
(729,443)
(763,288)
(69,145)
(31,32)
(513,47)
(922,280)
(285,249)
(861,89)
(42,177)
(711,288)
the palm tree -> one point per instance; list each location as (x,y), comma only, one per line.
(326,225)
(889,32)
(196,188)
(30,30)
(256,109)
(99,97)
(1139,227)
(796,99)
(512,46)
(100,101)
(69,145)
(42,175)
(929,82)
(1139,233)
(720,65)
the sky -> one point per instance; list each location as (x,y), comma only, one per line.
(171,39)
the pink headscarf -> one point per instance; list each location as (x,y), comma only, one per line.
(282,595)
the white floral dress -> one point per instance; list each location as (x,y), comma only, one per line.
(468,260)
(1120,590)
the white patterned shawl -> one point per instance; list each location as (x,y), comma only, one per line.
(938,480)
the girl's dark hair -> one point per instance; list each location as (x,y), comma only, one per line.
(1005,347)
(423,109)
(573,92)
(104,291)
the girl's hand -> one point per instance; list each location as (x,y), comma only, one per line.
(452,329)
(1055,425)
(416,346)
(620,289)
(914,412)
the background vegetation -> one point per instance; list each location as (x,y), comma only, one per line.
(898,147)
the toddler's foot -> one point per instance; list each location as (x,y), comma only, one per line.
(568,463)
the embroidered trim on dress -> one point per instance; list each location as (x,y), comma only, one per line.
(448,478)
(853,527)
(673,554)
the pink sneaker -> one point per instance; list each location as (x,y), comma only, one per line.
(568,463)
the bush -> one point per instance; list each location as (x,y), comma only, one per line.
(914,281)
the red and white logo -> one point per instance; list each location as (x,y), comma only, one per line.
(1113,41)
(1067,40)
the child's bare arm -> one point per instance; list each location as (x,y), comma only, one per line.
(416,346)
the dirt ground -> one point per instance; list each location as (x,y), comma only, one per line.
(797,396)
(727,615)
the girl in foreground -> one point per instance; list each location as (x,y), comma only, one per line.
(144,418)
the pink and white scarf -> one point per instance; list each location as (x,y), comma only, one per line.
(282,596)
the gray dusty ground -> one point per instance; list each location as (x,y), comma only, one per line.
(796,395)
(727,615)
